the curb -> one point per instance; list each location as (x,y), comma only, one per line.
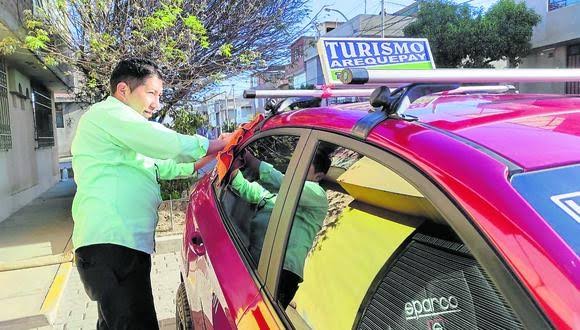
(27,322)
(49,308)
(50,305)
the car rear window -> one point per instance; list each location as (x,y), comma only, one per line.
(435,283)
(555,195)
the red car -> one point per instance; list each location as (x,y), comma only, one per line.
(461,213)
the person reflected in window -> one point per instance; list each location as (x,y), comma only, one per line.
(308,220)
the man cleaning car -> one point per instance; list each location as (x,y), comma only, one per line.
(118,158)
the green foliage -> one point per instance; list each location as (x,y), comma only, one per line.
(37,39)
(464,36)
(30,23)
(8,45)
(60,4)
(50,61)
(248,57)
(196,27)
(228,127)
(440,22)
(161,19)
(226,50)
(186,121)
(511,26)
(172,52)
(196,43)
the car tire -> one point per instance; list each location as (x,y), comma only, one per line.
(182,311)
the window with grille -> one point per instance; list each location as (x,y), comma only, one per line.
(573,87)
(5,136)
(59,115)
(556,4)
(42,105)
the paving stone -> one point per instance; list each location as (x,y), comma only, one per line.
(77,311)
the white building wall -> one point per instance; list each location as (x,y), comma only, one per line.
(552,58)
(25,171)
(72,113)
(557,26)
(557,30)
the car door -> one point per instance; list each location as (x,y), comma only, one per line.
(393,252)
(233,267)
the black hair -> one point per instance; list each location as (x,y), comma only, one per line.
(133,71)
(321,161)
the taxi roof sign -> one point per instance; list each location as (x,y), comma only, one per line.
(337,54)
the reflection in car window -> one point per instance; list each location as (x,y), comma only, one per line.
(379,251)
(251,191)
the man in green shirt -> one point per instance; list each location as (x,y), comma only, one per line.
(308,219)
(118,158)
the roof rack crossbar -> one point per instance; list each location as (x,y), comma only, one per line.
(497,89)
(325,93)
(364,76)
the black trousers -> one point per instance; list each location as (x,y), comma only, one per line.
(119,280)
(287,287)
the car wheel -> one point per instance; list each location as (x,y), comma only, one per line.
(182,311)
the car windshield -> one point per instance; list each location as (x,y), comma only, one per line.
(555,195)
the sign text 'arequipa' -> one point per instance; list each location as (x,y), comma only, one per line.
(337,54)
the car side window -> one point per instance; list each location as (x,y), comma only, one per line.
(367,250)
(252,189)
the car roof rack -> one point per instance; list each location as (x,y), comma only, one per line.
(424,82)
(414,84)
(324,93)
(291,99)
(364,76)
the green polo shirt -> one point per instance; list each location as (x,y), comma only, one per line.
(308,219)
(118,156)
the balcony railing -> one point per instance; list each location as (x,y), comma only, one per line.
(556,4)
(15,10)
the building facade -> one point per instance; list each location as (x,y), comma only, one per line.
(296,70)
(555,43)
(28,143)
(307,69)
(273,77)
(67,116)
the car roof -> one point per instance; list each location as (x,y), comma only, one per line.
(530,130)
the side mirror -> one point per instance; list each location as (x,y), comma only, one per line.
(271,105)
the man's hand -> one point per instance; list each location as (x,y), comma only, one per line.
(203,162)
(219,144)
(225,136)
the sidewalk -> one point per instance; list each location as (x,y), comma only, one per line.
(77,311)
(53,297)
(41,228)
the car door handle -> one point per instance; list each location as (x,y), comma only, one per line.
(197,243)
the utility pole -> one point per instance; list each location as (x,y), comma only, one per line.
(227,117)
(235,107)
(382,18)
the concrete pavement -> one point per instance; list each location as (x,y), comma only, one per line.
(41,228)
(77,311)
(52,297)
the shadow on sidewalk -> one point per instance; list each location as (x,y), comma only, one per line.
(42,227)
